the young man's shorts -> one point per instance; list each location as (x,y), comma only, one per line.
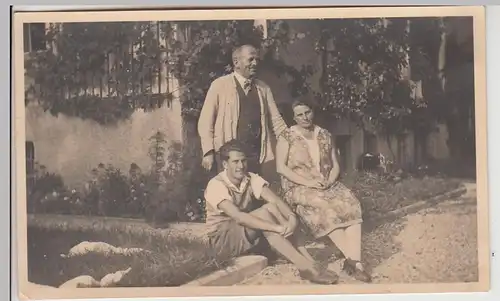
(231,239)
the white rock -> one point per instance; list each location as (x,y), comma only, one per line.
(88,281)
(80,282)
(86,247)
(113,278)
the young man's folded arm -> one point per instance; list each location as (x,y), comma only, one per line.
(269,196)
(246,219)
(262,191)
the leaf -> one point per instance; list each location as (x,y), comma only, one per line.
(362,74)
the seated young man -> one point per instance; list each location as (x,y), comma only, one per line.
(236,222)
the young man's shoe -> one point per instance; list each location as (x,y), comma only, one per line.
(324,277)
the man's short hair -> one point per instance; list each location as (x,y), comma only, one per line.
(231,146)
(237,51)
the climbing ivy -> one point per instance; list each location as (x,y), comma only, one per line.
(99,71)
(361,77)
(121,60)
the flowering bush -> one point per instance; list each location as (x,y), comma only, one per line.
(159,195)
(113,193)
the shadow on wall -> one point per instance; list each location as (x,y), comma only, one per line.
(72,146)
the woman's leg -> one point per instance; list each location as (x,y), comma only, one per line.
(352,264)
(354,243)
(348,240)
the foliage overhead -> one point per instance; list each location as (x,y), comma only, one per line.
(361,77)
(363,62)
(206,55)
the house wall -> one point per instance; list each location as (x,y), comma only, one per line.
(437,147)
(72,146)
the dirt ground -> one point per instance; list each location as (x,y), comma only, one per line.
(436,244)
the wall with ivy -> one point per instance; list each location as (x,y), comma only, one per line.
(72,146)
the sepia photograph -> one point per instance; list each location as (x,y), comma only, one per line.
(247,152)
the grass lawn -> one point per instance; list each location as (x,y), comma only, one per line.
(176,260)
(379,194)
(172,261)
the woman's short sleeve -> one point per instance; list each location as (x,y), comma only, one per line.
(325,135)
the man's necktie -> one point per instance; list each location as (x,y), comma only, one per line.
(247,85)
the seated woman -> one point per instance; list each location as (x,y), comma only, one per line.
(307,163)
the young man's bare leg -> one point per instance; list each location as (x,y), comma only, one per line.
(277,214)
(280,243)
(283,246)
(297,239)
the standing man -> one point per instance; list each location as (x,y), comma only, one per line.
(239,106)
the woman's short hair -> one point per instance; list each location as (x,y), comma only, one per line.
(302,102)
(231,146)
(287,112)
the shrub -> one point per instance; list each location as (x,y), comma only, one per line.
(160,195)
(46,186)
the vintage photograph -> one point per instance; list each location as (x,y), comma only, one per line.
(280,148)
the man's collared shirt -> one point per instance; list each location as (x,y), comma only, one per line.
(220,188)
(245,83)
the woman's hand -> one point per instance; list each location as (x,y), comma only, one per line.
(284,230)
(318,184)
(329,183)
(287,232)
(281,229)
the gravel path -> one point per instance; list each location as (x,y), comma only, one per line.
(437,244)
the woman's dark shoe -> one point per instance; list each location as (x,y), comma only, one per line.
(352,270)
(323,277)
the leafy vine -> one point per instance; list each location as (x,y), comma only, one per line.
(361,77)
